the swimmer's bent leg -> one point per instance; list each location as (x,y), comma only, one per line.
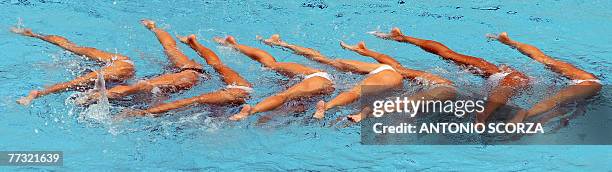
(167,83)
(112,73)
(571,93)
(221,97)
(307,88)
(382,81)
(500,95)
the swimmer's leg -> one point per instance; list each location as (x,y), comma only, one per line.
(176,56)
(574,92)
(313,54)
(81,81)
(228,75)
(112,73)
(441,93)
(286,68)
(580,91)
(361,49)
(64,43)
(220,97)
(561,67)
(307,88)
(427,45)
(340,64)
(167,83)
(256,54)
(500,95)
(485,68)
(379,82)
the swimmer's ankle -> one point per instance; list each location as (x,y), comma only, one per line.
(231,40)
(504,38)
(28,99)
(395,33)
(186,39)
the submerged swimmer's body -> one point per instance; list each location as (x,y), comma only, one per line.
(187,76)
(507,87)
(118,69)
(236,91)
(584,83)
(382,76)
(316,82)
(439,88)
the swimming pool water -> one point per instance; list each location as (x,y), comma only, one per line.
(198,139)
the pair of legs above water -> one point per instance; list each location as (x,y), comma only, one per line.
(118,69)
(315,83)
(507,87)
(382,77)
(584,84)
(237,90)
(187,76)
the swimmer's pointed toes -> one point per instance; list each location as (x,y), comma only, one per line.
(379,34)
(150,24)
(345,46)
(183,39)
(221,41)
(22,31)
(491,36)
(273,40)
(24,101)
(503,36)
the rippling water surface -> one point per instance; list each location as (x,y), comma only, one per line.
(198,139)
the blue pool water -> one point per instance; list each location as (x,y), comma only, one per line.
(575,31)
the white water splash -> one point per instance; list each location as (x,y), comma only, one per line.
(100,111)
(19,24)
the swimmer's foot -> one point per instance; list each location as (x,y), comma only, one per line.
(186,39)
(28,99)
(228,41)
(23,31)
(242,114)
(394,34)
(320,113)
(273,40)
(360,47)
(502,37)
(355,118)
(150,24)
